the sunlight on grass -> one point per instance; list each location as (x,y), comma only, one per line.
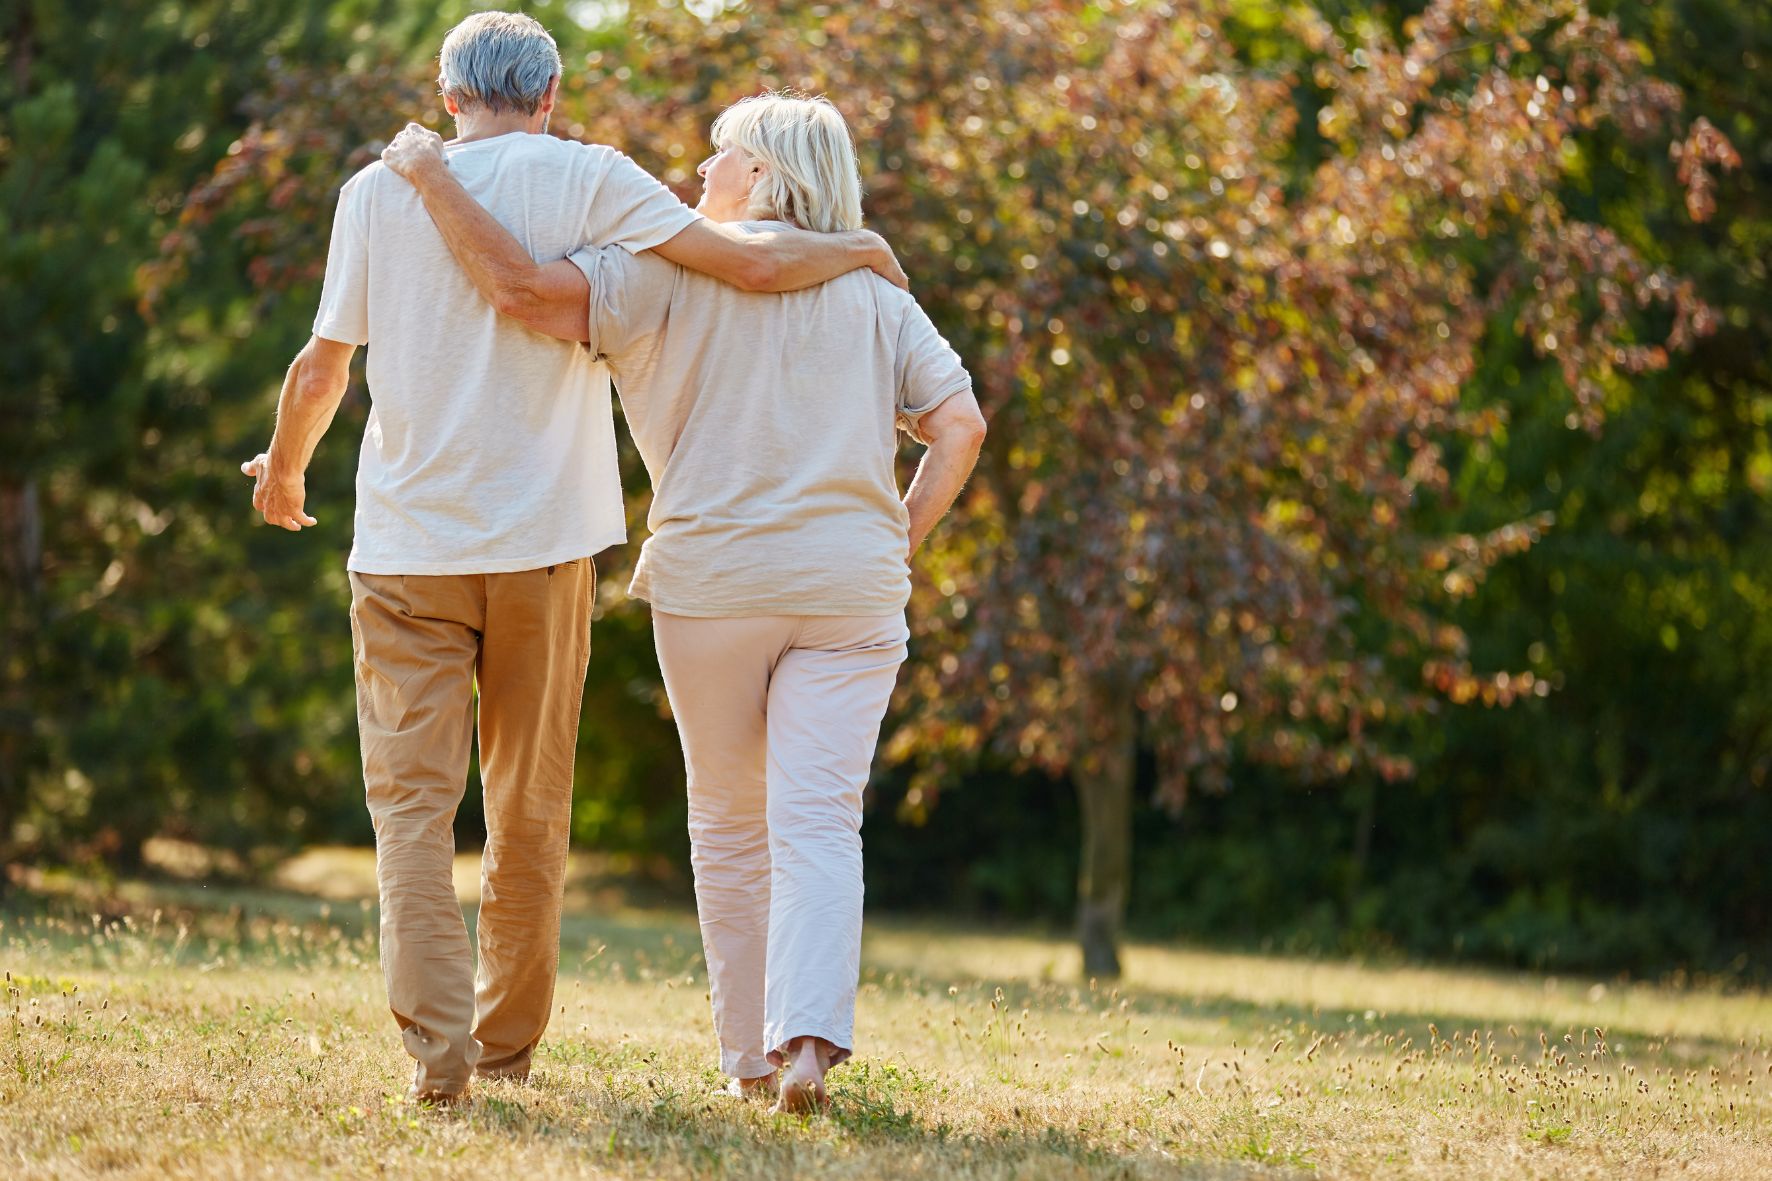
(188,1031)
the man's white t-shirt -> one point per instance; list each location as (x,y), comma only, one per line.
(490,448)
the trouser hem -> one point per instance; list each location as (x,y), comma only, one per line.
(789,1032)
(745,1065)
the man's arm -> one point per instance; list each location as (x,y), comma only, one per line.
(312,390)
(552,299)
(955,431)
(779,260)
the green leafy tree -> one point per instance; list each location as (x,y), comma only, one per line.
(1219,382)
(1283,325)
(1623,819)
(1223,376)
(159,669)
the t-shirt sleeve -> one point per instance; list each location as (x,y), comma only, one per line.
(632,210)
(630,298)
(929,371)
(344,298)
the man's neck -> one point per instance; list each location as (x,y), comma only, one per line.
(484,125)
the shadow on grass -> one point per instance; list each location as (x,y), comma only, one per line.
(223,923)
(875,1113)
(1253,1022)
(1255,1018)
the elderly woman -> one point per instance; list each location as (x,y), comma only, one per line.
(777,566)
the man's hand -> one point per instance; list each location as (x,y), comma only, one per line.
(279,497)
(414,152)
(886,266)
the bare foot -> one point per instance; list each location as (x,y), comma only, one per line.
(762,1087)
(802,1079)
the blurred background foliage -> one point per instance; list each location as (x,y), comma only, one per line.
(171,668)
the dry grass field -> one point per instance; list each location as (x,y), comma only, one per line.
(177,1030)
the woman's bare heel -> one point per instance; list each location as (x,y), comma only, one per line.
(802,1079)
(761,1087)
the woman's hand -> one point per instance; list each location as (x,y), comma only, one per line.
(414,152)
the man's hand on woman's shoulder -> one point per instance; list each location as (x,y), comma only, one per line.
(415,150)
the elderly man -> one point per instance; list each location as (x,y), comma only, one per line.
(487,480)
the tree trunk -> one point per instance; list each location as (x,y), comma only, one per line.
(1366,817)
(21,539)
(1103,779)
(21,566)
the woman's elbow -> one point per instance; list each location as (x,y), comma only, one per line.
(956,433)
(976,430)
(513,299)
(968,431)
(525,305)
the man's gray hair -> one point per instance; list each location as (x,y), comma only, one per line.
(502,61)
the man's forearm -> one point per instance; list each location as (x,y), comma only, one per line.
(940,476)
(802,258)
(305,408)
(777,260)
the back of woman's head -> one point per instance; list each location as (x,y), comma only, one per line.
(811,178)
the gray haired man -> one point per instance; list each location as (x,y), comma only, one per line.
(487,480)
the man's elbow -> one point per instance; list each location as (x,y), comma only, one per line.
(962,438)
(757,271)
(319,388)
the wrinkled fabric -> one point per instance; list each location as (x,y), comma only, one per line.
(768,426)
(779,716)
(423,643)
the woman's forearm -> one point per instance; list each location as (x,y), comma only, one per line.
(550,299)
(955,431)
(940,476)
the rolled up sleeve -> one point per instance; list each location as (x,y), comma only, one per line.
(929,371)
(630,297)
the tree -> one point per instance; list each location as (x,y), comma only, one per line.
(158,670)
(1228,279)
(1626,819)
(1222,313)
(1221,378)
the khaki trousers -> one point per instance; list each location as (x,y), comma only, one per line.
(423,644)
(779,716)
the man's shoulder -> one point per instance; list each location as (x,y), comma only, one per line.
(570,152)
(364,177)
(367,181)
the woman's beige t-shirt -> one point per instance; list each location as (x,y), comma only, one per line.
(766,422)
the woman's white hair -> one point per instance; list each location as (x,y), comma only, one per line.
(811,180)
(502,61)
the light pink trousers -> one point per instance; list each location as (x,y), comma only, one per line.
(779,716)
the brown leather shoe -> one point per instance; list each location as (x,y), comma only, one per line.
(438,1098)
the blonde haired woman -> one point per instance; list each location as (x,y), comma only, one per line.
(777,566)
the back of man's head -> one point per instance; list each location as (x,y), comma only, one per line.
(498,62)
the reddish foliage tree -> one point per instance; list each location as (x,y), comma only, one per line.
(1220,375)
